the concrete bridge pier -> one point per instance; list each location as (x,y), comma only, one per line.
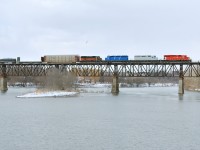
(181,81)
(115,85)
(3,84)
(115,81)
(3,79)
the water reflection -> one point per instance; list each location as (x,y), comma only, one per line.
(3,91)
(115,94)
(180,96)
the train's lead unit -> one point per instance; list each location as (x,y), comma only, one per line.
(177,58)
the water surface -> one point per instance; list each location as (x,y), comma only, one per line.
(155,118)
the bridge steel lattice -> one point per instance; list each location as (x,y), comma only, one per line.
(107,69)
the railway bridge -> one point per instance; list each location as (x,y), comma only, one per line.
(115,70)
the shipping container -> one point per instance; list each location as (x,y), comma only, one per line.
(145,57)
(60,58)
(117,58)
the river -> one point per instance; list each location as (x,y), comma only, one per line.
(155,118)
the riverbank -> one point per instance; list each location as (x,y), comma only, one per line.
(85,88)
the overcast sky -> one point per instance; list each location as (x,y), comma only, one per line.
(33,28)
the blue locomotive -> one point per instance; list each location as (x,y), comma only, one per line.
(116,58)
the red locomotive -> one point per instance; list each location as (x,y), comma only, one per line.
(177,58)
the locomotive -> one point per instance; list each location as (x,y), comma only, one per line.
(177,57)
(117,58)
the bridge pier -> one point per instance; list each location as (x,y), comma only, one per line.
(115,81)
(181,86)
(115,84)
(3,84)
(3,79)
(181,81)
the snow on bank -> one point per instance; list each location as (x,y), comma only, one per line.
(106,89)
(197,90)
(164,84)
(48,94)
(94,85)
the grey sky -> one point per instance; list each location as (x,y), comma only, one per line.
(33,28)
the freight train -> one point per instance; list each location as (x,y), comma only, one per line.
(110,58)
(62,59)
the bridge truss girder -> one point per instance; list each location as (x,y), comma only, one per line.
(103,69)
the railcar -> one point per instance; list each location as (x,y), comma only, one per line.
(60,59)
(177,58)
(90,58)
(8,61)
(145,57)
(117,58)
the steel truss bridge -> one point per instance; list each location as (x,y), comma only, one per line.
(107,69)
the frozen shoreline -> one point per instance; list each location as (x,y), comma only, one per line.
(39,94)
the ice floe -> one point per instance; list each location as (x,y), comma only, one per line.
(48,94)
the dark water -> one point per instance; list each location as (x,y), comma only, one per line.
(136,119)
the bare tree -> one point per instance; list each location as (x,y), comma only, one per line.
(56,80)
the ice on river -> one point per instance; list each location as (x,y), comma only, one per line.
(48,94)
